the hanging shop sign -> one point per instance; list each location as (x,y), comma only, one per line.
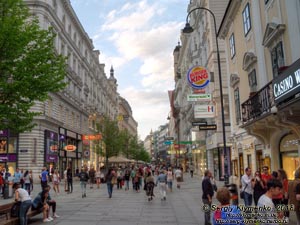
(91,137)
(198,77)
(204,111)
(199,97)
(70,148)
(287,84)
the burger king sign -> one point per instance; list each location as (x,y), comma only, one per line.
(198,77)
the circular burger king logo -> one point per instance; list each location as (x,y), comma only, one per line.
(198,77)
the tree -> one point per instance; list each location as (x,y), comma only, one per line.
(110,137)
(30,67)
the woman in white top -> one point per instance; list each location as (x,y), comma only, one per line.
(170,177)
(22,196)
(27,181)
(56,180)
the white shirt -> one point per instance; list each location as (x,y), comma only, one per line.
(23,195)
(178,173)
(246,180)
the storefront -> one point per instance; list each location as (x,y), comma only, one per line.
(51,150)
(289,154)
(286,90)
(70,150)
(8,150)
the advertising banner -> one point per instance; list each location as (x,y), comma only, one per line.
(204,111)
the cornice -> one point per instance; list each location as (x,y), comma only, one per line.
(229,16)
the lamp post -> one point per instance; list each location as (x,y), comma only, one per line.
(189,29)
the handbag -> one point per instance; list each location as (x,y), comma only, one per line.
(113,180)
(242,192)
(15,209)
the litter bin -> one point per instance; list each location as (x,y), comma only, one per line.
(234,193)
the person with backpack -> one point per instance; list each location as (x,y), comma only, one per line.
(84,177)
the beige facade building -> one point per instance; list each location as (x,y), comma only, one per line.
(262,53)
(125,118)
(68,115)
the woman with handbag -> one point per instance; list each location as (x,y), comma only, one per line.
(258,188)
(22,196)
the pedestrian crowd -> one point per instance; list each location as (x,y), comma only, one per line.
(137,178)
(268,197)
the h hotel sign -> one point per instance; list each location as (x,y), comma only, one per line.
(287,84)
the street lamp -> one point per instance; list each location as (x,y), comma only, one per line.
(189,29)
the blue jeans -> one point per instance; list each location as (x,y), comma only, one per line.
(170,184)
(83,187)
(207,212)
(23,212)
(247,199)
(109,189)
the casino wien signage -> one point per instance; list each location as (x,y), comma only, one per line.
(287,84)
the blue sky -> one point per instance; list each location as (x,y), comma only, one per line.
(137,37)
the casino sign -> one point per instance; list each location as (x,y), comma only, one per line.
(198,77)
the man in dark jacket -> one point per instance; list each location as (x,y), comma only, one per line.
(208,192)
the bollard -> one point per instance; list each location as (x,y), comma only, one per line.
(6,191)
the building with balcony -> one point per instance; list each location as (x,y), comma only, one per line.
(263,57)
(199,49)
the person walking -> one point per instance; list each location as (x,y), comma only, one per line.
(109,177)
(27,181)
(247,186)
(84,177)
(282,176)
(70,180)
(208,193)
(162,181)
(56,181)
(192,170)
(98,177)
(22,196)
(149,186)
(170,178)
(92,174)
(258,188)
(127,179)
(44,176)
(178,175)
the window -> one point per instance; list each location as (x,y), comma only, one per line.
(237,105)
(252,80)
(246,19)
(232,45)
(277,58)
(249,161)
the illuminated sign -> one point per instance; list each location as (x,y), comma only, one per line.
(198,77)
(91,137)
(70,148)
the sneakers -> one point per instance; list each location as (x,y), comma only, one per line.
(46,220)
(50,218)
(56,216)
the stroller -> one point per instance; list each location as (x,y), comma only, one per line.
(149,190)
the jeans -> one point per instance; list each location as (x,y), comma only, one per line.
(83,187)
(70,186)
(23,212)
(247,199)
(27,187)
(127,184)
(170,184)
(207,212)
(162,189)
(109,189)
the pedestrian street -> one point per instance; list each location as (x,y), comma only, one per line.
(182,206)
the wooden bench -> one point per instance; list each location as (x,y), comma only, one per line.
(5,211)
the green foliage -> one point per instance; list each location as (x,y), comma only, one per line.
(30,68)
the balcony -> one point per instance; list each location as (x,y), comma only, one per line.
(258,105)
